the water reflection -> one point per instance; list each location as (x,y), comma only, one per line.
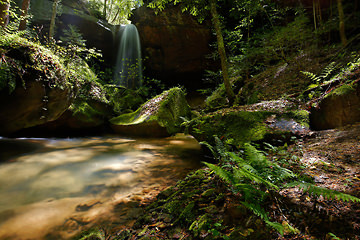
(44,181)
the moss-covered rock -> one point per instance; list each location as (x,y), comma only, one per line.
(160,116)
(252,123)
(34,85)
(338,108)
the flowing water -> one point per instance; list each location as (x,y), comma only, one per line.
(54,188)
(128,68)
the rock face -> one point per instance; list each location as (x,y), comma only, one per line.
(158,117)
(175,46)
(338,108)
(97,32)
(25,108)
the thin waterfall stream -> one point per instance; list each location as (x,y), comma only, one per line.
(128,66)
(54,188)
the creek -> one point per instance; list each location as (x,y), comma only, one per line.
(55,188)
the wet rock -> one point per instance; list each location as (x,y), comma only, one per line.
(338,108)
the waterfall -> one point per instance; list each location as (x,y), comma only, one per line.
(128,68)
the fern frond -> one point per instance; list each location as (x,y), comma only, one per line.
(222,173)
(259,211)
(311,76)
(250,192)
(325,192)
(328,70)
(211,148)
(220,147)
(277,226)
(236,158)
(255,157)
(282,173)
(248,172)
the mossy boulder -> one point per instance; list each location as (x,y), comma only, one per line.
(338,108)
(158,117)
(34,85)
(265,121)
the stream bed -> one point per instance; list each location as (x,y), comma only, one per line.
(55,188)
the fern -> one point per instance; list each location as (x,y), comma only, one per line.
(222,173)
(328,70)
(311,76)
(249,173)
(324,75)
(325,192)
(220,151)
(260,212)
(211,148)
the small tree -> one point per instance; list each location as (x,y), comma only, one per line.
(4,12)
(53,18)
(201,8)
(24,11)
(341,23)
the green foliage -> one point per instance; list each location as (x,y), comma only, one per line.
(72,36)
(116,12)
(24,56)
(7,76)
(269,45)
(122,99)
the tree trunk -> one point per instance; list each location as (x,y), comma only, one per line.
(222,52)
(4,12)
(53,18)
(105,3)
(24,10)
(341,23)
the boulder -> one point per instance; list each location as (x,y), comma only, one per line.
(34,86)
(338,108)
(268,121)
(158,117)
(175,45)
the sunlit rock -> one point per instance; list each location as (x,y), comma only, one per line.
(338,108)
(158,117)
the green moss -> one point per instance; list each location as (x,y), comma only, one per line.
(217,98)
(342,90)
(26,57)
(85,112)
(300,116)
(235,128)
